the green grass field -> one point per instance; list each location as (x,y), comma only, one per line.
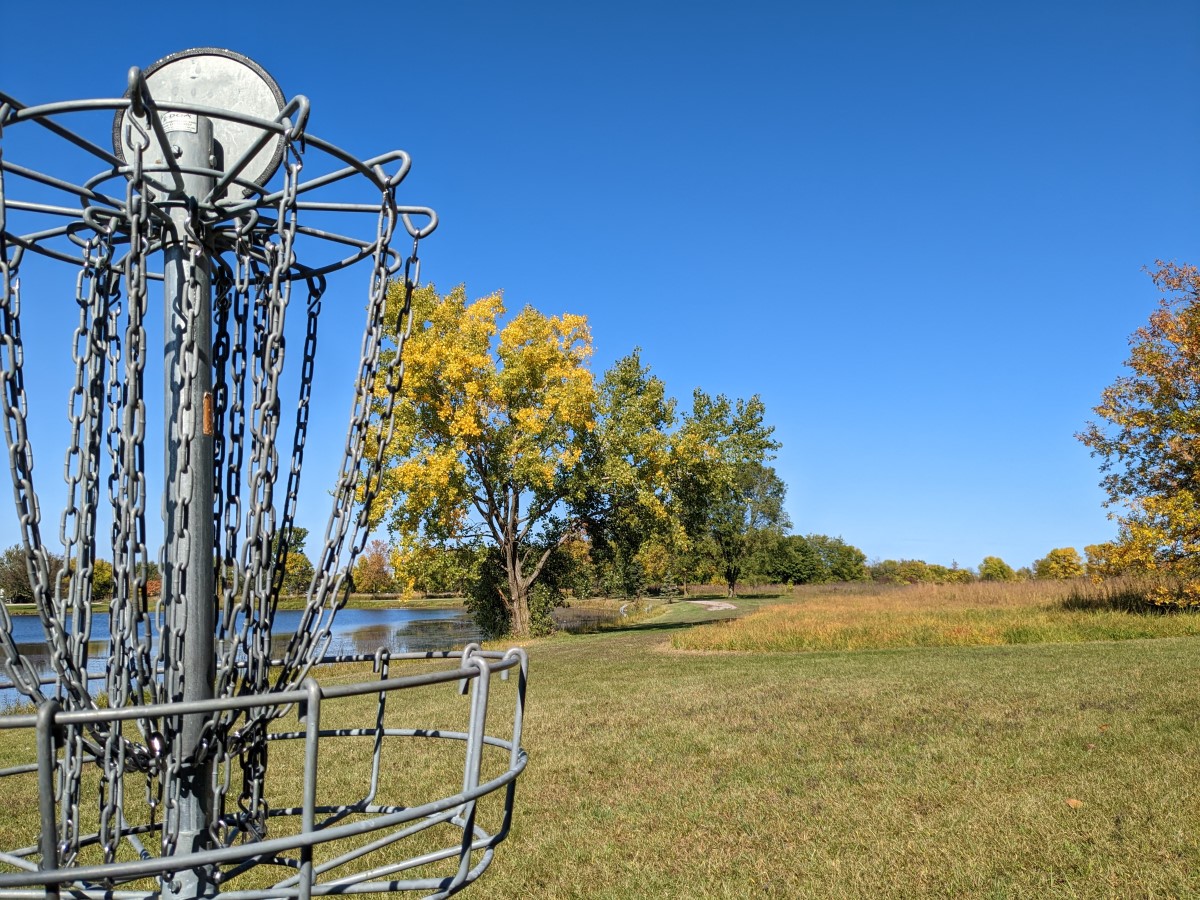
(997,770)
(941,771)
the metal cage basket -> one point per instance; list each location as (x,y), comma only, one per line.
(151,763)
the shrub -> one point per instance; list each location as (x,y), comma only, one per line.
(1135,594)
(486,605)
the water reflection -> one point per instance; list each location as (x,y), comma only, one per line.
(355,631)
(584,619)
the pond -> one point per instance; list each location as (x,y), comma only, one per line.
(355,631)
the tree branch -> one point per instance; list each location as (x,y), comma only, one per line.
(543,557)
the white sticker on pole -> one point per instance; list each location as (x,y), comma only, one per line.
(179,121)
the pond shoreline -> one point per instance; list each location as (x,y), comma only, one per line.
(296,601)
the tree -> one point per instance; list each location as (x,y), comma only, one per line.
(839,561)
(373,570)
(1146,437)
(1062,562)
(1104,560)
(489,435)
(917,571)
(764,562)
(297,567)
(903,571)
(625,501)
(796,561)
(721,480)
(993,568)
(14,576)
(102,579)
(437,569)
(811,559)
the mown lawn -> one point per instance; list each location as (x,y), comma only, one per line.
(915,772)
(1029,770)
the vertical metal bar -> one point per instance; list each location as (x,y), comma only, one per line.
(383,658)
(189,590)
(308,816)
(45,758)
(519,711)
(514,757)
(476,730)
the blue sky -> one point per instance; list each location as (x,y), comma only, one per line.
(917,230)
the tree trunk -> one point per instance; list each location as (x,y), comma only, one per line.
(518,593)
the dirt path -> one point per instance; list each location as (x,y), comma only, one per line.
(713,604)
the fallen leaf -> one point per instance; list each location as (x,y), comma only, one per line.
(1105,727)
(1073,803)
(1091,746)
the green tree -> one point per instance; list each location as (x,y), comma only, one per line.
(951,574)
(810,559)
(764,562)
(14,576)
(993,568)
(917,571)
(102,579)
(721,481)
(297,567)
(797,561)
(489,437)
(885,571)
(624,500)
(1146,439)
(1062,562)
(839,561)
(437,569)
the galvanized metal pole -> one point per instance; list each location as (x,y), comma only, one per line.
(189,590)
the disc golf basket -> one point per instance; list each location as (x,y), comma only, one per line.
(149,759)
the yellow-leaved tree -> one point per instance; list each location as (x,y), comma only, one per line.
(1148,441)
(489,433)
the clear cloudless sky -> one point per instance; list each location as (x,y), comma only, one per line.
(916,229)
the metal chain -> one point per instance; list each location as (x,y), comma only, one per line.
(229,387)
(19,669)
(330,588)
(69,788)
(85,409)
(17,666)
(132,669)
(131,665)
(264,550)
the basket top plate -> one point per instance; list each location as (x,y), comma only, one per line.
(221,79)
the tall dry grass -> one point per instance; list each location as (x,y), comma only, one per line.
(978,594)
(875,617)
